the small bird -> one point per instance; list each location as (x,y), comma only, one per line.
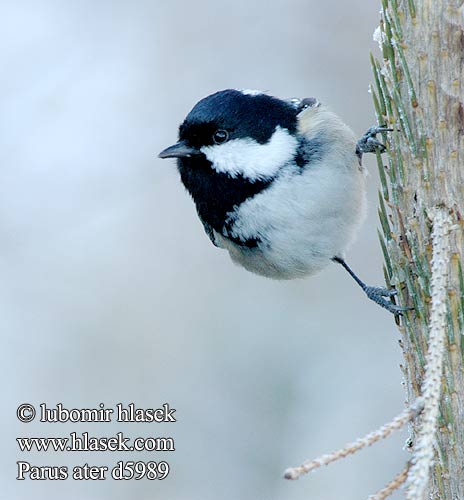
(277,183)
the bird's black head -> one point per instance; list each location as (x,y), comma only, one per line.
(231,145)
(242,114)
(232,114)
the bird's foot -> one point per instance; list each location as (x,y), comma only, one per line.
(383,296)
(369,143)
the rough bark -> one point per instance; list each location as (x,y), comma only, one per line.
(419,92)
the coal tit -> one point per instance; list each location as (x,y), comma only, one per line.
(277,183)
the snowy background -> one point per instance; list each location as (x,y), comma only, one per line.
(111,292)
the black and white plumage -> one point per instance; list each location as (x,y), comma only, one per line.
(279,184)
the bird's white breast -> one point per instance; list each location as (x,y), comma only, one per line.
(304,218)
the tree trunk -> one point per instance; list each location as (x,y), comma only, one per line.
(419,93)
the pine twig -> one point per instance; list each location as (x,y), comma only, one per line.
(393,485)
(397,423)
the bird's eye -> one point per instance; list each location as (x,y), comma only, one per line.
(220,136)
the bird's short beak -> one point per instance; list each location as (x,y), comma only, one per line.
(179,150)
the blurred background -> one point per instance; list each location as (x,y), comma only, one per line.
(110,290)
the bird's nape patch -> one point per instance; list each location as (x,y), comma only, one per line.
(251,92)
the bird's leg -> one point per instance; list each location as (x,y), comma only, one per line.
(369,143)
(379,295)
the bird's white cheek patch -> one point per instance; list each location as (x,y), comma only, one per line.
(250,159)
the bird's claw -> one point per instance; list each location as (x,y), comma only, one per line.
(381,296)
(382,291)
(369,143)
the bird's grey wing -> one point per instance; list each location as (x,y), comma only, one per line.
(245,242)
(209,231)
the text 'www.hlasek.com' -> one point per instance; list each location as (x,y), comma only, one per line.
(85,442)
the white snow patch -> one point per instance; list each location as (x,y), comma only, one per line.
(379,37)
